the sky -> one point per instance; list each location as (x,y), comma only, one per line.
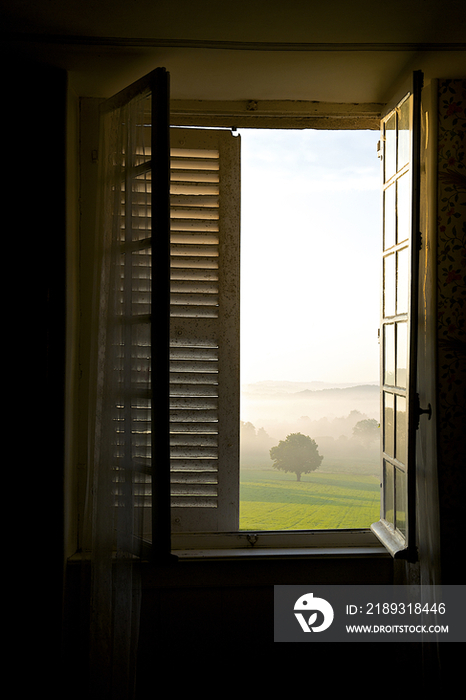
(310,248)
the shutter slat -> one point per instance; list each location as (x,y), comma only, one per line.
(193,451)
(192,251)
(191,225)
(194,163)
(193,263)
(197,189)
(190,466)
(194,299)
(198,176)
(193,427)
(192,502)
(192,275)
(198,440)
(194,201)
(193,366)
(194,312)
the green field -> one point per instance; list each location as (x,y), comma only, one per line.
(272,500)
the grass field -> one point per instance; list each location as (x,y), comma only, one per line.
(273,500)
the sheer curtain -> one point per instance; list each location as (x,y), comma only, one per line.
(118,498)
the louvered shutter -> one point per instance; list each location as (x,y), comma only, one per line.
(400,135)
(204,330)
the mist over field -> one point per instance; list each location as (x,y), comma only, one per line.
(310,280)
(328,413)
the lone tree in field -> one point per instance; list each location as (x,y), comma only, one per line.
(297,454)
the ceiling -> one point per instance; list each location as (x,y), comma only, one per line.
(260,50)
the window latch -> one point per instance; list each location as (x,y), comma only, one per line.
(420,411)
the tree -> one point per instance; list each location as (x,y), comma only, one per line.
(367,431)
(298,453)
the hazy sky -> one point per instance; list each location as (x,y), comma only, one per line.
(310,246)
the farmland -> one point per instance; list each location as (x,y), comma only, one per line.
(271,500)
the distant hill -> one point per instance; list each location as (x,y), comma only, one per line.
(344,392)
(284,407)
(307,389)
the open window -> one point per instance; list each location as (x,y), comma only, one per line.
(171,392)
(400,154)
(131,322)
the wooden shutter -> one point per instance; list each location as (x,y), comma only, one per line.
(400,138)
(204,330)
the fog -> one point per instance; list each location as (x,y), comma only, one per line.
(272,410)
(310,246)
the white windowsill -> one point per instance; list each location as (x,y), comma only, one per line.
(282,553)
(302,544)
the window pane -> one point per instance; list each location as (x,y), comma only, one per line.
(388,416)
(388,501)
(390,147)
(402,281)
(401,354)
(400,500)
(389,285)
(403,135)
(403,208)
(401,430)
(389,354)
(389,217)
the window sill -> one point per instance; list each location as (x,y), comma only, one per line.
(393,541)
(278,545)
(334,544)
(283,553)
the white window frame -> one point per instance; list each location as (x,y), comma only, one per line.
(303,543)
(399,466)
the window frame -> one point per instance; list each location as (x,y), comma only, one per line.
(262,543)
(403,545)
(268,543)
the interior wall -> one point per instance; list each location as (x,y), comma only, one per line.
(451,316)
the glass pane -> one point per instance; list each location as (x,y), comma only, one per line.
(403,208)
(400,500)
(388,500)
(389,434)
(390,147)
(389,354)
(389,285)
(403,135)
(402,281)
(389,217)
(401,354)
(401,430)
